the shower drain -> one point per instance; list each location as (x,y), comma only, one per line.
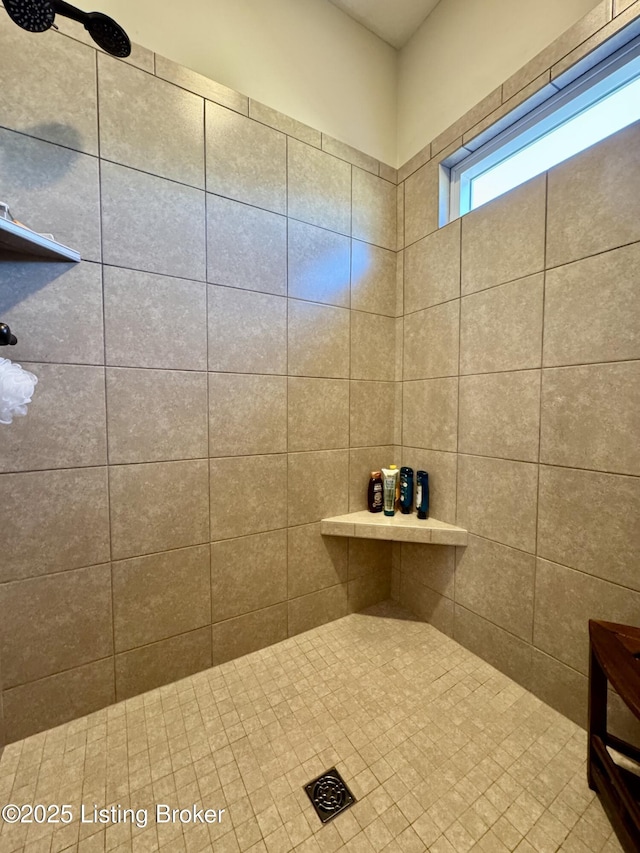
(329,795)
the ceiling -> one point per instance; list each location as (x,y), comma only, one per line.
(395,21)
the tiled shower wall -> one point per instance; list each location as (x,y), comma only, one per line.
(208,376)
(521,397)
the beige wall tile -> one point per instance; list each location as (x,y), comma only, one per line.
(201,85)
(428,605)
(318,340)
(442,469)
(588,521)
(248,495)
(52,701)
(68,401)
(389,173)
(560,686)
(432,269)
(499,415)
(137,306)
(581,30)
(160,596)
(319,264)
(413,163)
(468,120)
(245,634)
(565,601)
(499,648)
(603,39)
(591,309)
(372,413)
(318,413)
(247,414)
(246,160)
(373,209)
(315,609)
(246,247)
(430,414)
(139,230)
(247,331)
(362,461)
(590,416)
(149,124)
(621,5)
(152,666)
(369,589)
(401,240)
(497,500)
(60,306)
(501,329)
(53,521)
(367,556)
(372,346)
(421,201)
(350,154)
(64,102)
(497,583)
(318,485)
(433,566)
(504,239)
(315,561)
(319,187)
(248,574)
(143,506)
(286,124)
(155,415)
(431,342)
(373,279)
(594,200)
(510,111)
(54,623)
(58,190)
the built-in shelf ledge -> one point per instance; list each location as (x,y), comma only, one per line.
(398,528)
(18,240)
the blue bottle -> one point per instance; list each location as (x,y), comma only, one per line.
(422,494)
(406,489)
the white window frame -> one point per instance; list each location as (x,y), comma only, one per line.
(561,100)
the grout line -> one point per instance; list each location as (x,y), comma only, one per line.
(106,394)
(286,346)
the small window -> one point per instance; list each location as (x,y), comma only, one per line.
(600,102)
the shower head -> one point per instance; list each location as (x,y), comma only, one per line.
(109,35)
(36,16)
(102,29)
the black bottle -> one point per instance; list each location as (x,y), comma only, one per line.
(406,490)
(422,494)
(374,496)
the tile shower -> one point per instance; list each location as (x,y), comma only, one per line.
(208,393)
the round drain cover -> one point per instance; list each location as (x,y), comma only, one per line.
(329,793)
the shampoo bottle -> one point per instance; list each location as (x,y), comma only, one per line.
(422,494)
(374,496)
(406,489)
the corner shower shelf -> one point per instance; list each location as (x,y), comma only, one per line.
(398,528)
(22,241)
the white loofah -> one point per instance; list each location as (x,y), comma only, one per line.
(16,390)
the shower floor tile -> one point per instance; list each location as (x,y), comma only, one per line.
(441,751)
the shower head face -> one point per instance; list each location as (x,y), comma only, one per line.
(107,34)
(36,16)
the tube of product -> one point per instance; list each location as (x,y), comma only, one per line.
(422,494)
(389,480)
